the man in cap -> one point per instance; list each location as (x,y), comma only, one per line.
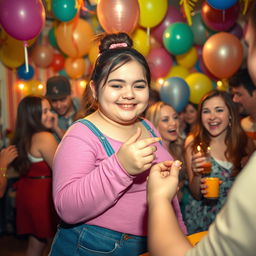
(58,92)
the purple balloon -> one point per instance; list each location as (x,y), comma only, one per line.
(22,19)
(173,15)
(237,31)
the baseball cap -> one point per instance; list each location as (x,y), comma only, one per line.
(57,87)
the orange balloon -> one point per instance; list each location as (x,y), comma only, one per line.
(75,37)
(118,15)
(223,54)
(93,53)
(75,68)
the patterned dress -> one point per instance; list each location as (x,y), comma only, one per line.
(199,214)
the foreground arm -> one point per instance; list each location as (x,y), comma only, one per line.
(165,235)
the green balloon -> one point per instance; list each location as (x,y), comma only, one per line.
(200,31)
(178,38)
(52,38)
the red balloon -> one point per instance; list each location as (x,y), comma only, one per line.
(223,54)
(118,15)
(160,62)
(58,62)
(220,20)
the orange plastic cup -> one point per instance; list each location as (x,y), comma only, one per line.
(213,186)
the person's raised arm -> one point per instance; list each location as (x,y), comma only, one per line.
(165,236)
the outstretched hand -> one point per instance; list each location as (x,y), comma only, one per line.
(136,155)
(163,180)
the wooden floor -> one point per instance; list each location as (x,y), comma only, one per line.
(12,246)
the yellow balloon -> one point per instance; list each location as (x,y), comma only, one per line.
(34,87)
(12,50)
(199,85)
(141,41)
(187,59)
(152,12)
(177,71)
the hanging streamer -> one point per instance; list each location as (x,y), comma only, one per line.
(188,6)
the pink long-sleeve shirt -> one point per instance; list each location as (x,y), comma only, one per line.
(90,187)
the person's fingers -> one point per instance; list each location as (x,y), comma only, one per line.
(175,168)
(147,142)
(148,151)
(134,137)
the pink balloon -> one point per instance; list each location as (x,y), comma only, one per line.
(118,15)
(22,19)
(220,20)
(160,62)
(173,15)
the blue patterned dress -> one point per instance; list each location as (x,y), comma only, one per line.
(198,215)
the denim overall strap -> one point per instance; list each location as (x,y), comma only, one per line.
(108,148)
(150,129)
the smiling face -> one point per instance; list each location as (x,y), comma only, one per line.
(215,116)
(47,115)
(125,94)
(168,124)
(62,106)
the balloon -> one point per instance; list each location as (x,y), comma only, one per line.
(205,70)
(64,10)
(118,15)
(34,87)
(93,53)
(219,20)
(175,92)
(173,15)
(22,19)
(223,54)
(22,74)
(200,31)
(42,56)
(75,68)
(187,59)
(74,37)
(63,73)
(178,71)
(12,50)
(237,31)
(178,38)
(160,62)
(152,12)
(154,43)
(58,61)
(221,4)
(52,37)
(141,42)
(199,85)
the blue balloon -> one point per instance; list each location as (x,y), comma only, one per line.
(221,4)
(23,74)
(175,92)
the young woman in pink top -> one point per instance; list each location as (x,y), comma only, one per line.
(102,163)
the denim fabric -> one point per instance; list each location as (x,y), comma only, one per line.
(88,240)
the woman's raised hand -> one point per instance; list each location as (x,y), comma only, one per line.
(136,155)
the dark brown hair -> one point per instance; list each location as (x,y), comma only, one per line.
(236,139)
(28,122)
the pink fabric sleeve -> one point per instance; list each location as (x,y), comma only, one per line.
(82,189)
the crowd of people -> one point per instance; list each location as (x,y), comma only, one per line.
(114,175)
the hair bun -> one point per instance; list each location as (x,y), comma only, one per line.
(112,41)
